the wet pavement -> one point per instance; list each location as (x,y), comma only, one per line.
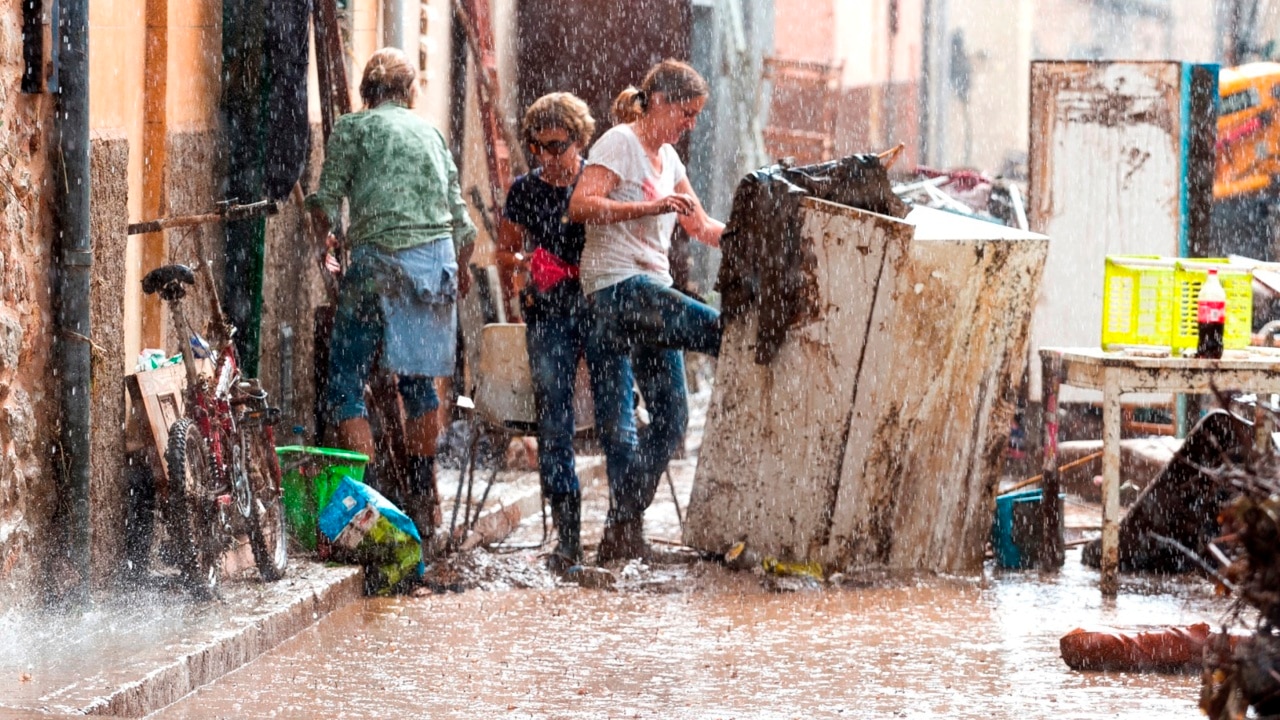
(706,642)
(671,642)
(133,651)
(710,643)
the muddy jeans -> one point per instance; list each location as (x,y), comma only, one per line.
(556,342)
(638,333)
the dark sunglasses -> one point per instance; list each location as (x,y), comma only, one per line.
(555,147)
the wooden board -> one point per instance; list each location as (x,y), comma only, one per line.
(770,457)
(1117,165)
(875,437)
(158,402)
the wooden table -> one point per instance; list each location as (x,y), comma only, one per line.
(1116,374)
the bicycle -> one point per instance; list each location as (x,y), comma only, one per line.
(223,473)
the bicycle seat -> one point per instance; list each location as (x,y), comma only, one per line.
(168,281)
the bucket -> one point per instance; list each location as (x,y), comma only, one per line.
(309,477)
(1016,532)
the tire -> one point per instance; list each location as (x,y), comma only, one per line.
(191,513)
(267,536)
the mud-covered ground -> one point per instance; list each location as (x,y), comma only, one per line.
(497,636)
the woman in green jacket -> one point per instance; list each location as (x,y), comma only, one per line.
(408,228)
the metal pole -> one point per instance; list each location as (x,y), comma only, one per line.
(1051,550)
(73,261)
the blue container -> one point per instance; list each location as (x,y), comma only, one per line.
(1015,534)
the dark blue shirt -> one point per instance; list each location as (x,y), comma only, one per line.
(542,210)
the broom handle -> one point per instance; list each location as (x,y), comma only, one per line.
(1069,466)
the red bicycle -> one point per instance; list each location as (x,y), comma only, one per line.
(223,473)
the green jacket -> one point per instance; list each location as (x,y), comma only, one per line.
(398,177)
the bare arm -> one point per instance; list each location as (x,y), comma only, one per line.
(510,239)
(591,204)
(510,245)
(700,226)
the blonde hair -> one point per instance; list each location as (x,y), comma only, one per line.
(388,76)
(676,81)
(561,110)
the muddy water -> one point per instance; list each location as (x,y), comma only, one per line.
(707,643)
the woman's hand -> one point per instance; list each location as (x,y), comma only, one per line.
(678,203)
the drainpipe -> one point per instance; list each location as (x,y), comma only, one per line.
(72,264)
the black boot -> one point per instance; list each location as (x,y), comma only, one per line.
(423,503)
(623,540)
(565,562)
(566,513)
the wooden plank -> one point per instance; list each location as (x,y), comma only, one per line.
(1106,169)
(159,393)
(920,477)
(771,452)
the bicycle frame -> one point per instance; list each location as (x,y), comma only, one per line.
(211,400)
(223,449)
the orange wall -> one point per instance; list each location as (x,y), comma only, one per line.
(155,70)
(805,30)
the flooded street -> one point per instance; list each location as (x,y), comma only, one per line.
(709,643)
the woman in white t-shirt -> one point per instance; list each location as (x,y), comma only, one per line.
(632,193)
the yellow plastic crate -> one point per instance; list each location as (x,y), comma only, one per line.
(1237,281)
(1138,305)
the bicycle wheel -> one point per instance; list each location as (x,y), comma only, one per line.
(267,535)
(191,513)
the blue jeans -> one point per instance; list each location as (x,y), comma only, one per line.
(638,333)
(358,327)
(556,343)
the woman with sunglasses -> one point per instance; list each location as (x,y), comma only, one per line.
(632,193)
(555,128)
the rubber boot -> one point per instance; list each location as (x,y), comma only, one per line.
(565,562)
(423,503)
(623,540)
(566,514)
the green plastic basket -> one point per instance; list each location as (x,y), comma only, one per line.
(310,475)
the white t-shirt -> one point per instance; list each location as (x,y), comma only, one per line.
(623,250)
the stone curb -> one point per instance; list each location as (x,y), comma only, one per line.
(237,648)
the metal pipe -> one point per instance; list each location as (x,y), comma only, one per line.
(229,214)
(72,265)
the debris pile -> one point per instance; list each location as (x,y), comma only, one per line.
(967,192)
(1244,677)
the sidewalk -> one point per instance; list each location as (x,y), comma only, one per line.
(135,651)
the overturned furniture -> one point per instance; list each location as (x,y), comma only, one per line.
(865,385)
(1177,513)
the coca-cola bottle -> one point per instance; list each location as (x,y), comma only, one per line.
(1211,317)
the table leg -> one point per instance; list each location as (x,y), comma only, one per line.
(1051,551)
(1261,430)
(1110,488)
